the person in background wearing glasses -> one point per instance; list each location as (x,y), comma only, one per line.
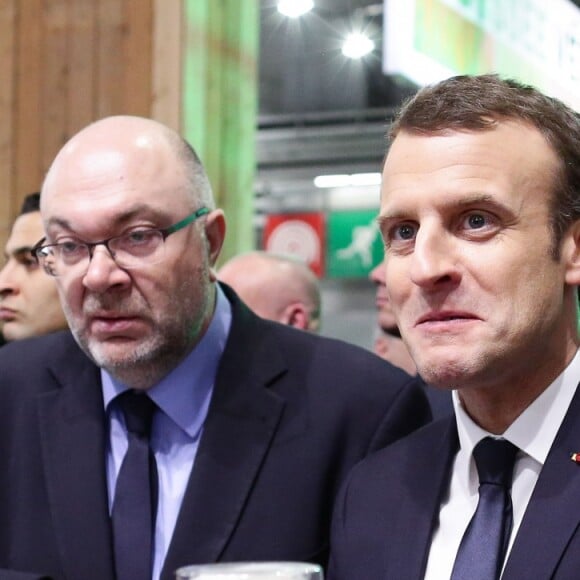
(172,426)
(29,303)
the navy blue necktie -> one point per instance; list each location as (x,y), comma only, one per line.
(484,544)
(135,502)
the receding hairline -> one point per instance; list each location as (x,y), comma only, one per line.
(131,129)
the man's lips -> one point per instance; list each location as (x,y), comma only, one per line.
(381,299)
(112,323)
(446,316)
(7,314)
(380,302)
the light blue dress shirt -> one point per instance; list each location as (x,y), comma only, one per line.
(183,398)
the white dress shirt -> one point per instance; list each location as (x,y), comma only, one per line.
(533,433)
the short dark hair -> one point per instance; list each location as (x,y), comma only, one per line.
(478,103)
(31,203)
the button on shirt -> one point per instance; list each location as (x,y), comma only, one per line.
(533,432)
(183,399)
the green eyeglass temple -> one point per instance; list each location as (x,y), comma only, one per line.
(185,221)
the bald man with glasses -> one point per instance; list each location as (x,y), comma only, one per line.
(171,426)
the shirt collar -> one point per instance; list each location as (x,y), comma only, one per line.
(535,429)
(184,394)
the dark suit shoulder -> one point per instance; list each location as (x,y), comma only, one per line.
(37,349)
(348,385)
(28,365)
(387,508)
(303,347)
(416,453)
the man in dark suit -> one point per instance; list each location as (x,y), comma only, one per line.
(480,212)
(173,426)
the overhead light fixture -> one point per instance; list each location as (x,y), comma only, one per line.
(357,45)
(345,180)
(294,8)
(365,179)
(323,181)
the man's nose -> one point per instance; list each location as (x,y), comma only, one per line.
(377,274)
(102,271)
(434,260)
(8,283)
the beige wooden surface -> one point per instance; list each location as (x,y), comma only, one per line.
(63,64)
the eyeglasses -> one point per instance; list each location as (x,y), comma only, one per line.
(131,250)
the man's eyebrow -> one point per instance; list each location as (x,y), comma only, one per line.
(464,202)
(384,219)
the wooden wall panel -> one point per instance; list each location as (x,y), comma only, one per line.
(81,92)
(139,57)
(110,58)
(124,44)
(27,112)
(54,66)
(7,67)
(167,62)
(64,64)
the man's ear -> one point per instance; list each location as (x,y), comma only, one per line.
(571,254)
(296,315)
(215,233)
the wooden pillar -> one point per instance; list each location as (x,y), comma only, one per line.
(7,97)
(219,105)
(64,64)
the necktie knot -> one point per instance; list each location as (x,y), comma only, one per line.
(138,411)
(495,460)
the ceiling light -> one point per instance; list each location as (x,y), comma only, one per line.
(345,180)
(340,180)
(294,8)
(365,179)
(357,45)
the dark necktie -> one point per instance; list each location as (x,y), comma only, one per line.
(484,544)
(135,502)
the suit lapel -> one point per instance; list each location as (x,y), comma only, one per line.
(420,509)
(72,432)
(238,431)
(551,517)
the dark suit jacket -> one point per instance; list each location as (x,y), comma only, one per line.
(290,415)
(388,509)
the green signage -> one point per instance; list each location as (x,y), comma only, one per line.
(354,244)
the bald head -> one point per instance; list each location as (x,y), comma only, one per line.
(275,287)
(152,149)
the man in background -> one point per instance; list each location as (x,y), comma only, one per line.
(390,346)
(29,303)
(275,287)
(388,343)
